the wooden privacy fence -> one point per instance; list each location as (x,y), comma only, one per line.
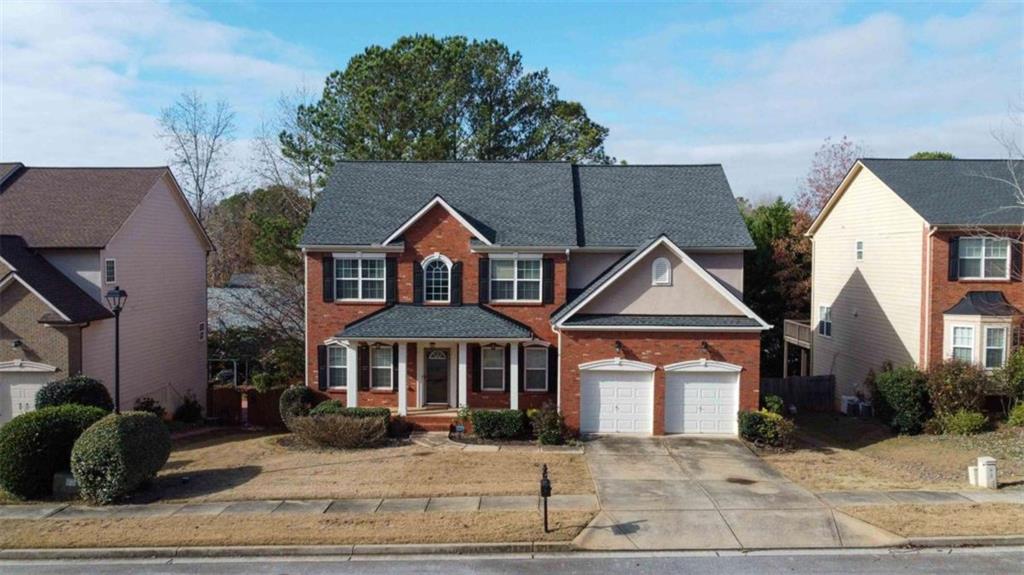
(810,393)
(258,409)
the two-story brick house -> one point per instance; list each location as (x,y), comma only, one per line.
(916,261)
(613,292)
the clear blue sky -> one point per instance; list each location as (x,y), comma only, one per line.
(756,87)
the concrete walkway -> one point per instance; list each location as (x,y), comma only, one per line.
(688,493)
(439,440)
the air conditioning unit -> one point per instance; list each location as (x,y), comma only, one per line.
(849,405)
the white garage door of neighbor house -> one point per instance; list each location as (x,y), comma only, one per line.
(702,402)
(616,402)
(18,393)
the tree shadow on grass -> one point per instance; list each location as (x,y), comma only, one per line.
(196,484)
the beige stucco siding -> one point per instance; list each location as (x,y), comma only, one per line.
(876,302)
(161,263)
(584,267)
(633,293)
(726,267)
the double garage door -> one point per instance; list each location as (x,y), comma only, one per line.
(623,402)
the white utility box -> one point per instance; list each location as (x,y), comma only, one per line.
(972,475)
(987,474)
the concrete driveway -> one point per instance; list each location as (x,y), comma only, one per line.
(695,493)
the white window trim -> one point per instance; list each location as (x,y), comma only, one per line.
(973,345)
(390,367)
(501,350)
(527,369)
(822,322)
(423,265)
(106,279)
(983,258)
(987,347)
(515,257)
(344,380)
(360,257)
(858,250)
(655,280)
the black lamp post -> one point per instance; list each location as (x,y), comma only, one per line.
(115,300)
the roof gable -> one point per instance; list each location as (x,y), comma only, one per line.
(437,201)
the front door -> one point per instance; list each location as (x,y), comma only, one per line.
(436,374)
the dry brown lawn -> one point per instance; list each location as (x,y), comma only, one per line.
(834,453)
(238,465)
(293,529)
(967,519)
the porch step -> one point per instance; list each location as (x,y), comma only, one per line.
(431,418)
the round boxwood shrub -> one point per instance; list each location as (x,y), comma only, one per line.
(78,390)
(296,401)
(956,386)
(118,454)
(37,444)
(962,422)
(498,423)
(902,399)
(765,428)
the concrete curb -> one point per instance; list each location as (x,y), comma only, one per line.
(971,541)
(525,547)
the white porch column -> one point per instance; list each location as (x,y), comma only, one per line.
(513,376)
(463,393)
(403,379)
(352,377)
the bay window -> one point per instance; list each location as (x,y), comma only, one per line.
(995,347)
(963,343)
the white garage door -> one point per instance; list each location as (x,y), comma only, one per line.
(703,402)
(616,402)
(18,393)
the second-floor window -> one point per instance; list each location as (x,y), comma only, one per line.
(984,258)
(436,280)
(110,271)
(516,279)
(825,320)
(359,279)
(858,250)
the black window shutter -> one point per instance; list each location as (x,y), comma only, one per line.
(552,369)
(417,282)
(474,368)
(391,279)
(321,367)
(328,272)
(363,360)
(1016,260)
(508,374)
(954,259)
(395,380)
(456,283)
(522,369)
(549,280)
(485,280)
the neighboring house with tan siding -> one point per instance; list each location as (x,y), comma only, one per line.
(67,236)
(907,256)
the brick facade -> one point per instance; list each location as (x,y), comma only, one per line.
(660,349)
(944,293)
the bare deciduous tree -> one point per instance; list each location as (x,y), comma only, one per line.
(298,167)
(199,140)
(828,168)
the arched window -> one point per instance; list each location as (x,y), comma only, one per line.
(661,272)
(437,279)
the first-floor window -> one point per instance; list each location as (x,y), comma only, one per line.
(536,376)
(492,368)
(963,343)
(825,320)
(337,366)
(995,347)
(380,367)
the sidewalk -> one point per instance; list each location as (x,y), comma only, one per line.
(851,498)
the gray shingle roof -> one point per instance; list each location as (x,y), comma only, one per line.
(512,203)
(628,205)
(954,192)
(53,285)
(629,320)
(534,203)
(991,303)
(441,322)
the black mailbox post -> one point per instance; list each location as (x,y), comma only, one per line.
(545,492)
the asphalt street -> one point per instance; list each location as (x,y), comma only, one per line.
(916,562)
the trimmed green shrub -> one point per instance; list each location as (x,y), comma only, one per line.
(149,405)
(956,385)
(77,390)
(548,425)
(774,404)
(1009,380)
(118,454)
(499,423)
(190,410)
(962,422)
(765,427)
(37,444)
(341,431)
(296,401)
(901,399)
(1016,418)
